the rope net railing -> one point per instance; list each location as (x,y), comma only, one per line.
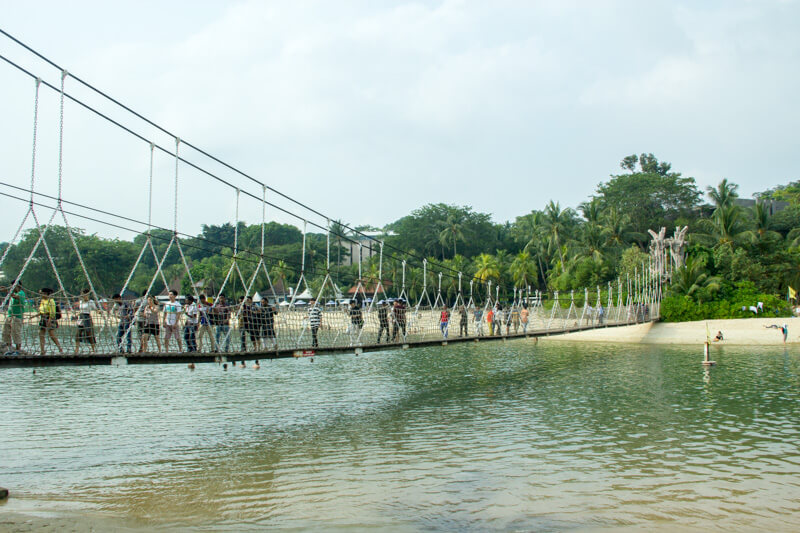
(37,322)
(82,315)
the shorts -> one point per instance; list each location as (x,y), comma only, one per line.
(252,331)
(268,332)
(171,331)
(46,324)
(12,330)
(151,329)
(85,333)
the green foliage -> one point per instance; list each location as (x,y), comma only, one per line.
(555,248)
(680,308)
(783,193)
(652,196)
(441,231)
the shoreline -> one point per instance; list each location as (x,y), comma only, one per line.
(736,332)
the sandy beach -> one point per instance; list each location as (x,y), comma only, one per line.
(742,331)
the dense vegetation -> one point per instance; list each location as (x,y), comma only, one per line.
(736,256)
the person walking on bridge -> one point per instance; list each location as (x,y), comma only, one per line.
(444,321)
(152,325)
(315,321)
(190,327)
(48,318)
(490,320)
(251,327)
(524,316)
(221,318)
(12,327)
(172,314)
(356,320)
(478,315)
(399,313)
(125,317)
(514,319)
(268,325)
(463,329)
(204,324)
(383,321)
(85,330)
(498,320)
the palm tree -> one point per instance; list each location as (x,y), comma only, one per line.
(453,230)
(556,222)
(503,258)
(280,272)
(763,222)
(413,282)
(724,228)
(339,231)
(486,268)
(692,277)
(592,211)
(537,242)
(617,226)
(592,241)
(724,194)
(523,270)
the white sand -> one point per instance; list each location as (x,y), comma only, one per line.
(742,331)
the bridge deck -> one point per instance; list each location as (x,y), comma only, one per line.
(34,360)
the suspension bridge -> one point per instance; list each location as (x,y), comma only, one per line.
(64,323)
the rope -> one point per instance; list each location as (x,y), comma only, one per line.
(35,130)
(60,137)
(328,247)
(175,210)
(150,193)
(236,227)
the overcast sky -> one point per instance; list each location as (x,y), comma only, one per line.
(368,110)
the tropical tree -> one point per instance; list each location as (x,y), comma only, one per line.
(723,194)
(692,278)
(724,228)
(280,272)
(486,268)
(618,228)
(339,231)
(652,195)
(453,230)
(523,270)
(557,222)
(762,232)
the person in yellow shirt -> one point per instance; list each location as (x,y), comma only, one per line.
(48,318)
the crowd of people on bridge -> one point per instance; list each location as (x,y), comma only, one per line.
(189,324)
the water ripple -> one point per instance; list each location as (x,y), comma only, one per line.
(504,437)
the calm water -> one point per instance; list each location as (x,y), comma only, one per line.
(511,436)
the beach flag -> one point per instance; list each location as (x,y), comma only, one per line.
(792,293)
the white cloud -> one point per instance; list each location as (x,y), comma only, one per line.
(501,106)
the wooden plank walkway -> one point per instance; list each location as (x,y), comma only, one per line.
(33,360)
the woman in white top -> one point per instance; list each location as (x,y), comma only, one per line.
(85,331)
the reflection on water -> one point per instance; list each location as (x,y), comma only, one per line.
(487,436)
